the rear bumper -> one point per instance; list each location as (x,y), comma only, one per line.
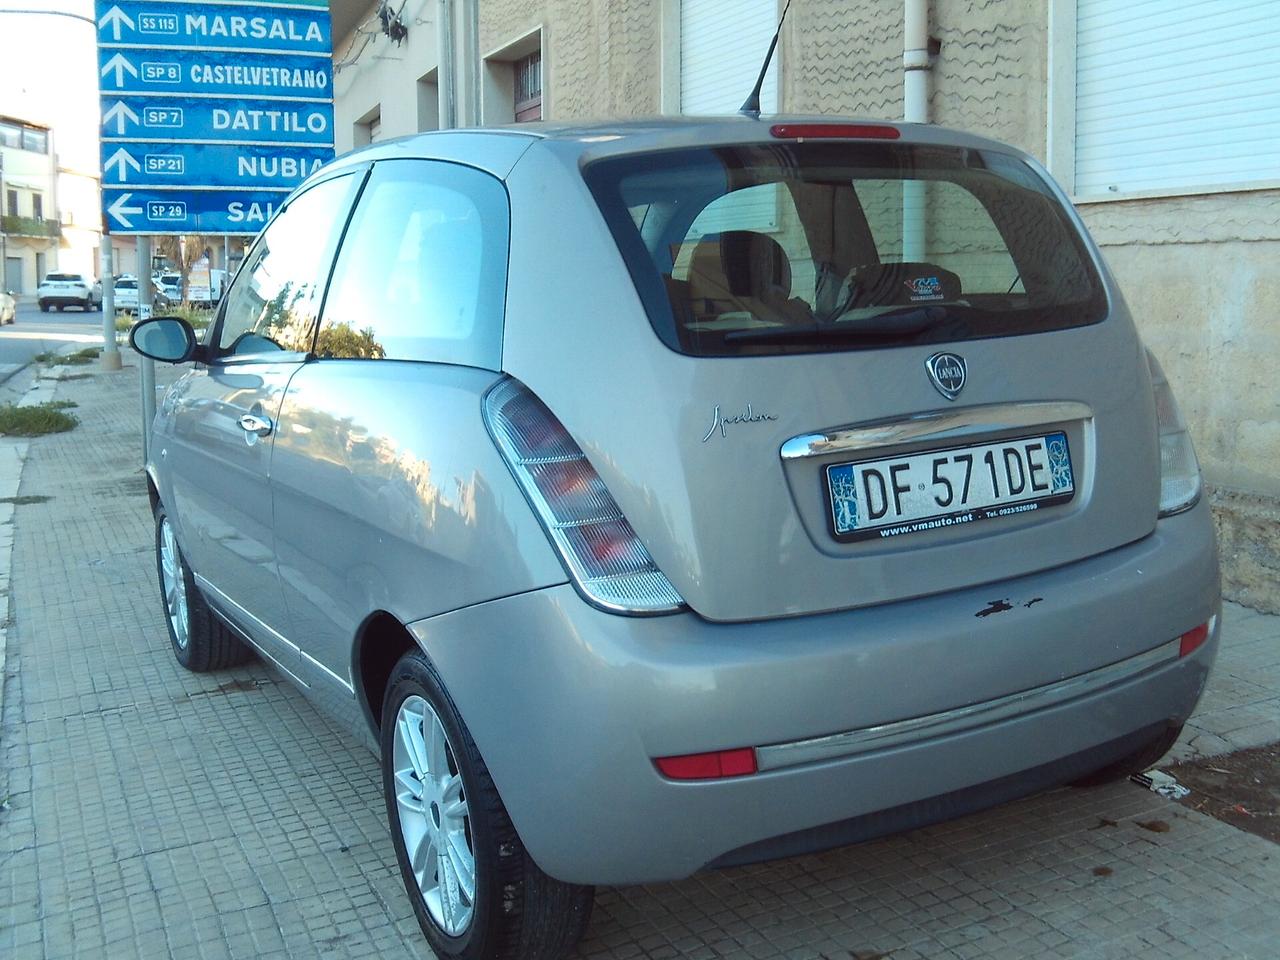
(569,705)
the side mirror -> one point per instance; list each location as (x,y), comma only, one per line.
(170,339)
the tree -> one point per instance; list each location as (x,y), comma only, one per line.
(185,251)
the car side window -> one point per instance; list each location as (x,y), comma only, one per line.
(422,272)
(272,305)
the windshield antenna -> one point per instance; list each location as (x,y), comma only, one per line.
(751,108)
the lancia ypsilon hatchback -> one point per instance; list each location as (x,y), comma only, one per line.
(659,497)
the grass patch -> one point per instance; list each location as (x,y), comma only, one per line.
(34,421)
(61,404)
(77,359)
(25,500)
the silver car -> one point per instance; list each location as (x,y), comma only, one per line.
(663,496)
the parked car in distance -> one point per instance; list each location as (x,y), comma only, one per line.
(126,293)
(69,290)
(813,484)
(8,307)
(169,285)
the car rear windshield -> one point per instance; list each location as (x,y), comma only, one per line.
(803,247)
(57,277)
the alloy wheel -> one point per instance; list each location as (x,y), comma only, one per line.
(434,821)
(175,584)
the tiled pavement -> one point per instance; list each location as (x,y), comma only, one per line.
(148,812)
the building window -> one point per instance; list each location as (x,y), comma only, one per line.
(368,129)
(37,206)
(528,87)
(1175,99)
(721,55)
(11,202)
(23,136)
(34,139)
(512,79)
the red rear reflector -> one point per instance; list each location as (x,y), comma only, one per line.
(1190,640)
(708,766)
(834,131)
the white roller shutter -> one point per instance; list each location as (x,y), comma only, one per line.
(1176,94)
(722,47)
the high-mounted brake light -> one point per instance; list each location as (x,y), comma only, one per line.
(708,766)
(1179,468)
(834,131)
(608,563)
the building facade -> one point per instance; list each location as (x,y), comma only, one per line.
(29,227)
(1162,121)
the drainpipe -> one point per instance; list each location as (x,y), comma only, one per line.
(915,62)
(915,109)
(444,65)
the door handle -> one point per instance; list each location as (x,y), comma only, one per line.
(252,423)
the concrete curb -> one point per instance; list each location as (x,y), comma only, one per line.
(13,457)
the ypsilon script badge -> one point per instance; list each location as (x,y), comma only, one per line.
(948,373)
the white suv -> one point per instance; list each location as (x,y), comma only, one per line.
(69,290)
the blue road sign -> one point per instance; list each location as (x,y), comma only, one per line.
(220,72)
(145,211)
(278,166)
(236,120)
(211,25)
(212,110)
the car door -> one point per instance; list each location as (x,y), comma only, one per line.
(223,416)
(381,473)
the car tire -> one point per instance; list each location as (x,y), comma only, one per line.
(201,642)
(44,306)
(515,910)
(87,305)
(1140,761)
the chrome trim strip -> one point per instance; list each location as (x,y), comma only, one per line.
(279,638)
(313,662)
(222,598)
(885,735)
(934,425)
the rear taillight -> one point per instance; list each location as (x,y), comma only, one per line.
(708,766)
(1179,469)
(608,563)
(1194,638)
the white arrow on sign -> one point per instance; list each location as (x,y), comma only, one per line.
(120,65)
(114,18)
(122,160)
(119,112)
(121,212)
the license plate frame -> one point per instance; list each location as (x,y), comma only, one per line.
(841,498)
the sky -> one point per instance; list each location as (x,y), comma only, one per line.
(48,74)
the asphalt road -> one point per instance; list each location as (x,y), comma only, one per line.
(36,332)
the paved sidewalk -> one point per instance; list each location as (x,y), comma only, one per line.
(149,812)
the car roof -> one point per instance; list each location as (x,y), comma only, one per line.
(497,149)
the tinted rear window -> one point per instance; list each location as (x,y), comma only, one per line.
(800,247)
(55,277)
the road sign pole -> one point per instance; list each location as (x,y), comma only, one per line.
(146,365)
(110,359)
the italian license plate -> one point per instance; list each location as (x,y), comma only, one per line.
(895,496)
